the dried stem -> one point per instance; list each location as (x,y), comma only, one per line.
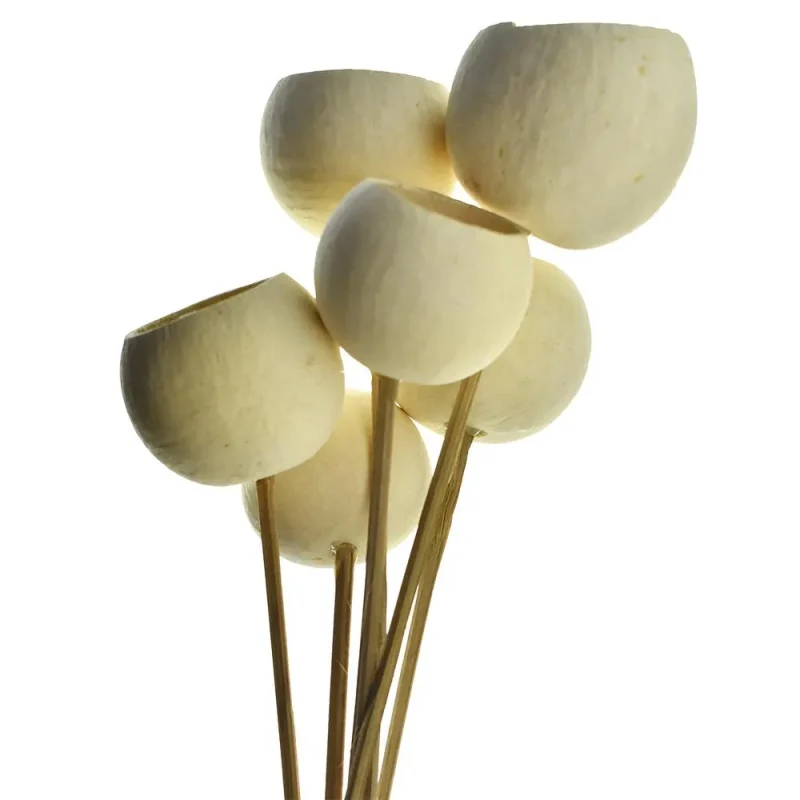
(418,621)
(277,635)
(340,657)
(373,621)
(368,734)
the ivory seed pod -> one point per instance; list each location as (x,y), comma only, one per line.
(534,379)
(418,286)
(324,502)
(578,132)
(322,133)
(236,387)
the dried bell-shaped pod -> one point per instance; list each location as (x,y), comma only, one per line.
(578,132)
(237,387)
(535,378)
(322,133)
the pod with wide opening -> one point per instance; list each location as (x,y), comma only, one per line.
(578,132)
(324,502)
(535,378)
(322,133)
(235,388)
(418,286)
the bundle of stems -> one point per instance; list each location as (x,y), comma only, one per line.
(418,582)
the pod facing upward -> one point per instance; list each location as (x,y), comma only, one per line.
(418,286)
(322,133)
(578,132)
(324,502)
(237,387)
(536,377)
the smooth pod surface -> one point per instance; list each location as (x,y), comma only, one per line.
(322,133)
(535,378)
(237,387)
(578,132)
(324,502)
(418,286)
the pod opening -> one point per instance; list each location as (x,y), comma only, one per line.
(457,210)
(192,309)
(621,26)
(350,71)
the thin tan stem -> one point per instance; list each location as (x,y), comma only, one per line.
(340,657)
(277,635)
(421,609)
(373,624)
(368,734)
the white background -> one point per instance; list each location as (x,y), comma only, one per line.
(619,608)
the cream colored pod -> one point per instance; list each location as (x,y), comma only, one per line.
(536,377)
(322,133)
(418,286)
(577,132)
(324,502)
(237,387)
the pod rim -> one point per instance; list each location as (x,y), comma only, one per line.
(580,24)
(449,208)
(324,73)
(194,308)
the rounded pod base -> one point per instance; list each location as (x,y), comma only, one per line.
(324,502)
(535,378)
(322,133)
